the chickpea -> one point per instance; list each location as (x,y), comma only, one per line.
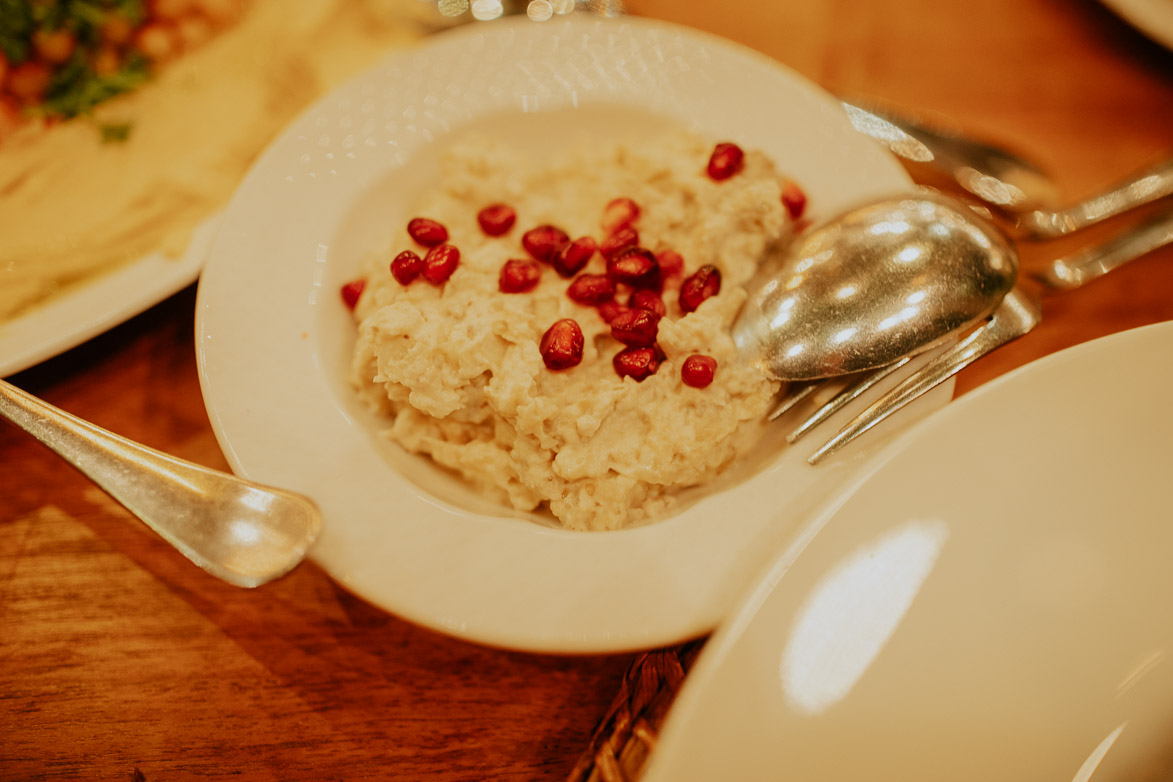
(54,46)
(157,41)
(117,30)
(107,61)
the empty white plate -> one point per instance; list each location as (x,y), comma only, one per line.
(1154,18)
(991,603)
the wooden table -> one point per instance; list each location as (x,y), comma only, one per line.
(120,661)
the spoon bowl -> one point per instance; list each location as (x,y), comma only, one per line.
(879,282)
(237,530)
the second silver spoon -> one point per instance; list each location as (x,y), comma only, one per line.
(239,531)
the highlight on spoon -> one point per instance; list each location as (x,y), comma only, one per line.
(881,281)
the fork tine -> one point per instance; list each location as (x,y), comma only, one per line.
(1015,316)
(795,393)
(843,398)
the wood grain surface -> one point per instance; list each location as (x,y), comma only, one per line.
(120,661)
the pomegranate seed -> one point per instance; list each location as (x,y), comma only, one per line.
(698,371)
(636,363)
(544,242)
(623,239)
(116,30)
(157,41)
(609,310)
(440,262)
(496,219)
(591,289)
(519,276)
(635,328)
(635,266)
(619,213)
(427,232)
(406,266)
(794,199)
(574,255)
(351,291)
(727,159)
(644,299)
(703,284)
(561,345)
(671,262)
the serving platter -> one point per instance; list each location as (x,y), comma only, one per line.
(274,341)
(99,302)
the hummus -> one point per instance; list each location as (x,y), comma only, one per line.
(71,204)
(457,369)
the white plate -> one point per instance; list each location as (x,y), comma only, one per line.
(992,602)
(1154,18)
(98,303)
(274,342)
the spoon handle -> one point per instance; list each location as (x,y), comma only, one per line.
(188,505)
(994,175)
(1143,188)
(1084,266)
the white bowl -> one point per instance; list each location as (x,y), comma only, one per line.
(274,343)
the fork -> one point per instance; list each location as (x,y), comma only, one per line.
(1015,316)
(1086,265)
(1013,185)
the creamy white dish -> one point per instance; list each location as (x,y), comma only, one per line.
(472,363)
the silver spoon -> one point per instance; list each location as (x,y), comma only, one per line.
(879,282)
(238,531)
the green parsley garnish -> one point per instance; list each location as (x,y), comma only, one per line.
(114,132)
(16,28)
(75,87)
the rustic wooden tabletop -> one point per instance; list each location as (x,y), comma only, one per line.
(119,660)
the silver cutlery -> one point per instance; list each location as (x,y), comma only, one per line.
(880,281)
(1010,183)
(1144,187)
(1085,265)
(239,531)
(1015,316)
